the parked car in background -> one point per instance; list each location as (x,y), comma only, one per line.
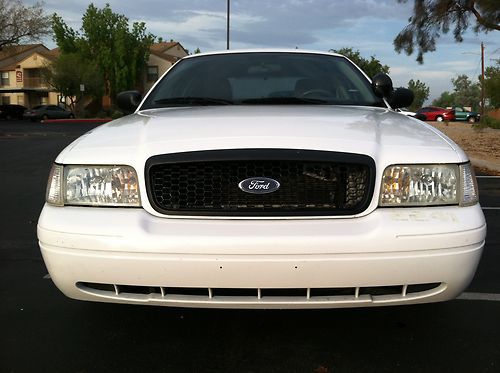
(435,113)
(42,112)
(469,116)
(405,111)
(12,111)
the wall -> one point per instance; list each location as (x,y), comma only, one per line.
(494,114)
(163,66)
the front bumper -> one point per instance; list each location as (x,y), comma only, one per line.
(129,256)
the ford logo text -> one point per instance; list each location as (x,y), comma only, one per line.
(259,185)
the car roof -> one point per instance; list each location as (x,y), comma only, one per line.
(263,50)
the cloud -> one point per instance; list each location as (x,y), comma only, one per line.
(367,25)
(254,23)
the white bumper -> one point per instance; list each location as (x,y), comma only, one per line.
(129,256)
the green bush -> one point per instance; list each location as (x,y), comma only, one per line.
(102,114)
(487,121)
(116,114)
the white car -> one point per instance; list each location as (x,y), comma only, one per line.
(263,179)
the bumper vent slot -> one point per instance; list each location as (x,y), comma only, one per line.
(372,294)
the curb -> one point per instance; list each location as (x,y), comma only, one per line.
(487,167)
(93,120)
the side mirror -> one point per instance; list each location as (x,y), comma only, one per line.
(382,85)
(401,97)
(128,101)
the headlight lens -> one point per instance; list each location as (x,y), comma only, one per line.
(93,186)
(428,185)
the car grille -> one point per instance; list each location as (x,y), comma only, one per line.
(311,182)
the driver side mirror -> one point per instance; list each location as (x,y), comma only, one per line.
(397,98)
(128,101)
(401,97)
(382,85)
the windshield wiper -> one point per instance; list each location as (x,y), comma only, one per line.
(283,101)
(202,101)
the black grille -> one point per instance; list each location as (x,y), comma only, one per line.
(311,182)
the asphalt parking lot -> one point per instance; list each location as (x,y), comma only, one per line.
(43,331)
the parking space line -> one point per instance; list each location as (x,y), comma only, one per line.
(487,177)
(492,297)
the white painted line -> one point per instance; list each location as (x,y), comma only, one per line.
(490,208)
(480,296)
(487,177)
(47,277)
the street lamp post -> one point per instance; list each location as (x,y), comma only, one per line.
(228,12)
(482,80)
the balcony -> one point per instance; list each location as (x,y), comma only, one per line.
(34,82)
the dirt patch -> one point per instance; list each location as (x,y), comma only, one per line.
(481,145)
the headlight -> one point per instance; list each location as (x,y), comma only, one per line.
(428,185)
(93,186)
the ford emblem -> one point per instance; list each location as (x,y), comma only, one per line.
(259,185)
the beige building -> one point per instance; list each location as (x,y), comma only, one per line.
(21,67)
(162,57)
(21,75)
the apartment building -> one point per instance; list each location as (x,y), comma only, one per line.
(162,56)
(21,80)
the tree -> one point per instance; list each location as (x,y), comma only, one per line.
(106,40)
(431,18)
(466,92)
(446,99)
(421,92)
(68,72)
(20,24)
(371,66)
(492,84)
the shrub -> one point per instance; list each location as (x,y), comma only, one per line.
(488,121)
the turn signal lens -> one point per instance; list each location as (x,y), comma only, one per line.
(469,195)
(54,190)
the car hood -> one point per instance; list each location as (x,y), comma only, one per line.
(386,136)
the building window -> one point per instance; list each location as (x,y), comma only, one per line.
(152,74)
(5,78)
(5,100)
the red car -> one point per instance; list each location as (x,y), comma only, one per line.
(435,113)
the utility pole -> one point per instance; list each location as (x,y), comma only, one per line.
(482,80)
(228,12)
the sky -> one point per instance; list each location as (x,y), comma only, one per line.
(366,25)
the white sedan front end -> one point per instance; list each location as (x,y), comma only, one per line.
(262,206)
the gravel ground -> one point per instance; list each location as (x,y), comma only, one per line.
(481,145)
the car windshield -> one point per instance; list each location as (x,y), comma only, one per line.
(262,79)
